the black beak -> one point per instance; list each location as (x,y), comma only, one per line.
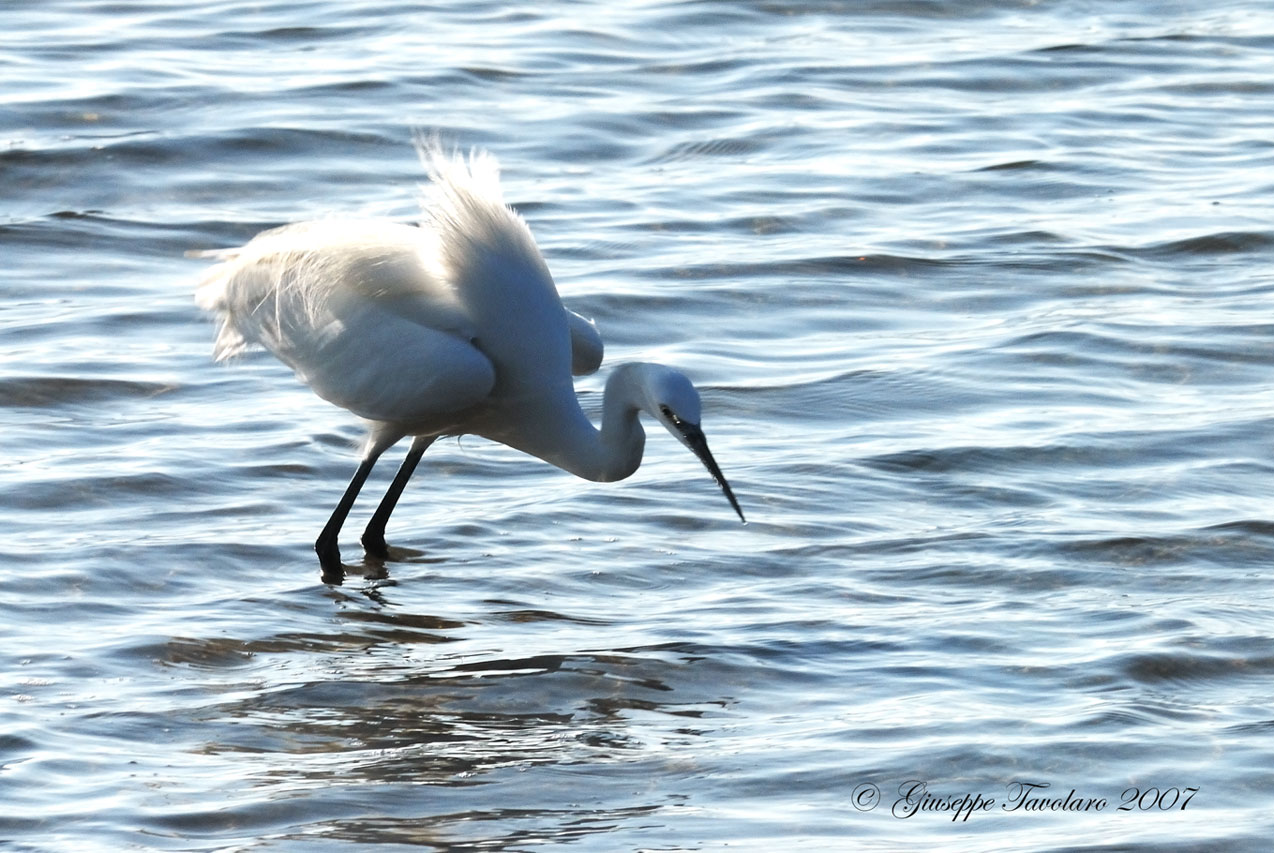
(692,436)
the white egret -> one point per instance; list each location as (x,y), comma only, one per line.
(447,328)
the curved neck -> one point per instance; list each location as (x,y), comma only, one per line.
(555,429)
(621,438)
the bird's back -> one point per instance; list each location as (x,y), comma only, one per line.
(399,323)
(354,307)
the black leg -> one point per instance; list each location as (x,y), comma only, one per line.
(326,547)
(374,534)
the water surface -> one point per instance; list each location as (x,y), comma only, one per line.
(978,298)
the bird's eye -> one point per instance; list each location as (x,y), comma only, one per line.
(670,415)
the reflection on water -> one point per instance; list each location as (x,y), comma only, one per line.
(531,735)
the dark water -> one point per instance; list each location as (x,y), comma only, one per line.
(979,295)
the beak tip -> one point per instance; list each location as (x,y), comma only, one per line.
(729,494)
(693,438)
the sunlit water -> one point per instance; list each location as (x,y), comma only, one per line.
(979,295)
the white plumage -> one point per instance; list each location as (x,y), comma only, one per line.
(450,327)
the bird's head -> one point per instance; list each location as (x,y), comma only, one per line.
(674,401)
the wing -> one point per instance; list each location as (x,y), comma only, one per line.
(586,345)
(354,307)
(382,365)
(301,271)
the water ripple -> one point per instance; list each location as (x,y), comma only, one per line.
(974,293)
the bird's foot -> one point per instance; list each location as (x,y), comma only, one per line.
(374,544)
(330,562)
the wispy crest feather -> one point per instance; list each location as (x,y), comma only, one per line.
(465,208)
